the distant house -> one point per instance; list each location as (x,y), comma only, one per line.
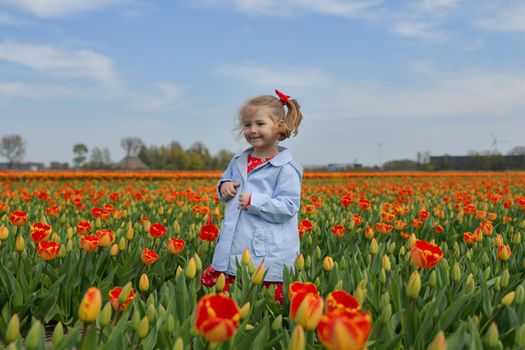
(22,166)
(478,162)
(343,166)
(58,166)
(130,163)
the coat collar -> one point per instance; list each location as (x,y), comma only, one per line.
(283,157)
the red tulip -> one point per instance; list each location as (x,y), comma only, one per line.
(175,245)
(157,231)
(48,250)
(39,231)
(425,254)
(148,256)
(217,317)
(344,329)
(18,218)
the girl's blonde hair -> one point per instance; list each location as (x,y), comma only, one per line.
(290,121)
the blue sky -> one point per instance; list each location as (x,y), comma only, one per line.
(431,75)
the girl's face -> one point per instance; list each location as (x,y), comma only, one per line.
(260,130)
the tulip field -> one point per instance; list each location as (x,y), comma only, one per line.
(388,261)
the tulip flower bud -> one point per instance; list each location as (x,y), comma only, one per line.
(392,247)
(505,277)
(69,245)
(20,244)
(318,252)
(486,273)
(299,262)
(457,251)
(432,279)
(90,305)
(385,263)
(439,342)
(179,344)
(178,271)
(143,327)
(374,247)
(308,261)
(414,285)
(382,276)
(360,294)
(151,312)
(69,233)
(468,254)
(508,298)
(497,283)
(339,285)
(4,233)
(411,241)
(146,226)
(328,263)
(35,336)
(469,284)
(277,324)
(258,275)
(343,263)
(13,329)
(297,342)
(144,283)
(402,251)
(245,310)
(105,314)
(135,320)
(220,283)
(519,341)
(520,294)
(456,272)
(191,268)
(176,227)
(170,324)
(386,315)
(246,257)
(492,336)
(369,233)
(113,251)
(385,299)
(198,261)
(122,243)
(124,294)
(58,333)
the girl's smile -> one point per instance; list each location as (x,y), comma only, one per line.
(261,132)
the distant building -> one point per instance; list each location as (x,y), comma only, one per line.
(478,162)
(343,166)
(32,166)
(130,163)
(58,166)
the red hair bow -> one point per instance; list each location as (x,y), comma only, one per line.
(284,98)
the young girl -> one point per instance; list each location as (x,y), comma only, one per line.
(262,189)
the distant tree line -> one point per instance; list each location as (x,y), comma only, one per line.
(165,157)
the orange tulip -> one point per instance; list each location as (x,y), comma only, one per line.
(18,218)
(89,243)
(114,296)
(52,211)
(306,309)
(157,231)
(338,230)
(175,245)
(425,254)
(471,238)
(148,256)
(90,305)
(341,299)
(48,250)
(301,288)
(209,232)
(217,317)
(39,231)
(105,237)
(383,228)
(344,329)
(504,252)
(84,227)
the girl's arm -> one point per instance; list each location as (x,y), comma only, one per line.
(227,176)
(286,199)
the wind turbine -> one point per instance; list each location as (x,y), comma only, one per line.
(494,144)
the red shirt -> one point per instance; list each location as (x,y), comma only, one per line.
(255,162)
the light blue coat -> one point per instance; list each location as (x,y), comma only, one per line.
(269,228)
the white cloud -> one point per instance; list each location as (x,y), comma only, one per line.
(60,62)
(18,89)
(58,8)
(166,97)
(279,8)
(259,75)
(469,95)
(418,29)
(503,19)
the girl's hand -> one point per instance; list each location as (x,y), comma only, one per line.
(244,199)
(228,189)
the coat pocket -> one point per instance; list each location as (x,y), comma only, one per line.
(259,242)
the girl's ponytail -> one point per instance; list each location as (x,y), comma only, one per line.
(293,118)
